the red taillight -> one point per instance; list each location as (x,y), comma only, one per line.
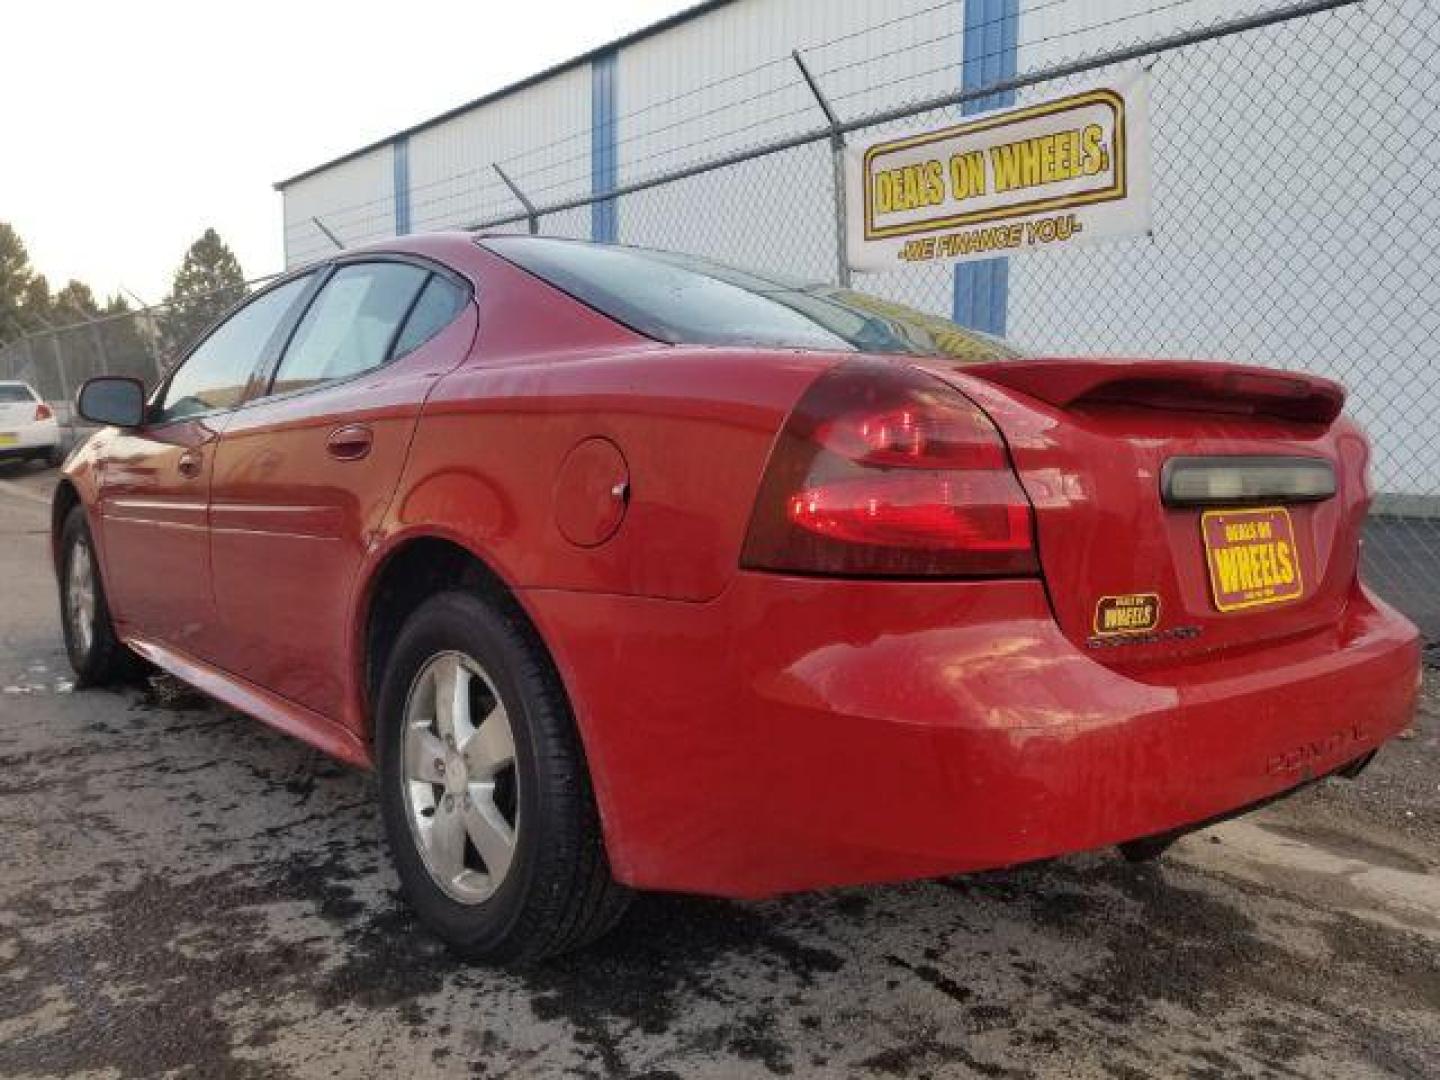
(931,511)
(43,412)
(884,470)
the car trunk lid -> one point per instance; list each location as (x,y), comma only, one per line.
(1181,507)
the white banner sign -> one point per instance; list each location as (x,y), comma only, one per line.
(1046,175)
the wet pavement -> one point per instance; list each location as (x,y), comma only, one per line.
(186,893)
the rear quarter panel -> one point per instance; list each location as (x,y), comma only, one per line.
(694,425)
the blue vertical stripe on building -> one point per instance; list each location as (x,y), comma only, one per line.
(401,149)
(990,44)
(604,161)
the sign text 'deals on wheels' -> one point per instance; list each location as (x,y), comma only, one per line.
(1062,171)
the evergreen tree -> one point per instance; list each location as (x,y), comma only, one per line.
(17,285)
(87,347)
(208,283)
(36,306)
(74,303)
(127,339)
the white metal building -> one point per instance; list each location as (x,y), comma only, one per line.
(1288,165)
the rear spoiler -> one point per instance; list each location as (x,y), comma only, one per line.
(1188,385)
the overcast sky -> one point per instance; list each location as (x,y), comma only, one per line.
(128,128)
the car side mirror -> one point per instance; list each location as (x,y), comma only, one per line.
(112,400)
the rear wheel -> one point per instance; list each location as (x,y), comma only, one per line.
(95,652)
(484,792)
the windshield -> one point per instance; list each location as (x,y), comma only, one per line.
(682,299)
(10,393)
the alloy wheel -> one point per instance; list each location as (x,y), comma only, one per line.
(460,782)
(80,597)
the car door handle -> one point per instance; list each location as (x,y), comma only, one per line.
(350,443)
(190,464)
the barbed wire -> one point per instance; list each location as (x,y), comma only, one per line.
(624,120)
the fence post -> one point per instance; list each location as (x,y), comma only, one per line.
(60,375)
(102,354)
(152,327)
(837,158)
(530,213)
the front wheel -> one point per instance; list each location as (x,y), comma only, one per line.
(96,653)
(486,799)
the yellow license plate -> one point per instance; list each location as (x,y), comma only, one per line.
(1252,557)
(8,439)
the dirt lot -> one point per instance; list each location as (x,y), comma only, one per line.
(184,892)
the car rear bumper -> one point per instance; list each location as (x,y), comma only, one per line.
(800,733)
(28,440)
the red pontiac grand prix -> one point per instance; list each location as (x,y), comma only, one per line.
(628,570)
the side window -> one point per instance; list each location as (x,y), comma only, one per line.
(215,374)
(350,326)
(438,304)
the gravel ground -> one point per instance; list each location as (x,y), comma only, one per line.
(186,893)
(1402,789)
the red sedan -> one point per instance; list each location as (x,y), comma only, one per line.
(630,570)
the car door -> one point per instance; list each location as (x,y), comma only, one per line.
(303,475)
(154,481)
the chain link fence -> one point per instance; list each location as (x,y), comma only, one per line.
(141,344)
(1296,156)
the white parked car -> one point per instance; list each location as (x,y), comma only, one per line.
(28,428)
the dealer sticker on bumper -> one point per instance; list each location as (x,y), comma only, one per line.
(1252,558)
(1131,613)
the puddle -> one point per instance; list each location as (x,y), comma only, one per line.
(59,686)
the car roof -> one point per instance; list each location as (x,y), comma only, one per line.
(448,247)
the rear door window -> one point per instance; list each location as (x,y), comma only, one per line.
(14,395)
(352,325)
(440,302)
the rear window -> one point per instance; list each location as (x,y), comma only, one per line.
(11,394)
(683,299)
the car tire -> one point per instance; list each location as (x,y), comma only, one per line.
(96,654)
(55,456)
(476,741)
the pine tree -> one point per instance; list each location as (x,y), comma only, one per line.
(36,305)
(208,283)
(125,333)
(74,303)
(17,285)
